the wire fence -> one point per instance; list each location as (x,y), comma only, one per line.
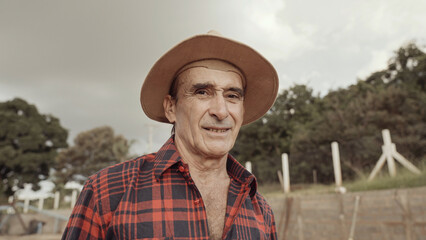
(387,215)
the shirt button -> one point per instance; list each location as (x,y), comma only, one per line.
(197,201)
(181,169)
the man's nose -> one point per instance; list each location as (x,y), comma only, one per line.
(219,107)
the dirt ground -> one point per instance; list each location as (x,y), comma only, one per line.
(397,214)
(33,237)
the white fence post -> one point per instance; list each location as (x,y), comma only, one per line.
(248,166)
(26,204)
(40,203)
(56,201)
(388,152)
(10,201)
(286,173)
(388,155)
(336,164)
(73,198)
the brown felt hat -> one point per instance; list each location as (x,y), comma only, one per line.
(260,76)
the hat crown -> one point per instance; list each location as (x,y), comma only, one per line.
(261,78)
(214,33)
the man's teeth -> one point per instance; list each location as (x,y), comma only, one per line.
(217,130)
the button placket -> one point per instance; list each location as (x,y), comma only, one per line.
(197,195)
(185,172)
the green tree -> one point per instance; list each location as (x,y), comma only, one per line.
(93,150)
(263,141)
(28,144)
(408,68)
(304,125)
(357,126)
(390,99)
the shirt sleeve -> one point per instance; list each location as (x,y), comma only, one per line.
(84,221)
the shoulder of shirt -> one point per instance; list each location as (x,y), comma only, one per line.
(128,167)
(110,184)
(264,205)
(117,178)
(268,216)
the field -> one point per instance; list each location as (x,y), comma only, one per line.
(388,208)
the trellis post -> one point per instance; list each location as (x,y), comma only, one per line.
(388,155)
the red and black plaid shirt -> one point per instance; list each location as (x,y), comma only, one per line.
(154,197)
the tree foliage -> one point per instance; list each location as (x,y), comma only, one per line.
(304,125)
(28,144)
(93,150)
(263,141)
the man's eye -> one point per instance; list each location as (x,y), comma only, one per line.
(201,92)
(234,96)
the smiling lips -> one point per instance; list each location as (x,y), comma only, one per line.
(217,130)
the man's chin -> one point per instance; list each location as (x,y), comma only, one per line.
(217,151)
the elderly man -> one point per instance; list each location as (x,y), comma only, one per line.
(207,86)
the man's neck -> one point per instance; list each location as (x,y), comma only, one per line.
(203,168)
(211,178)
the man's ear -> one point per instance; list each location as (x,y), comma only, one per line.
(169,106)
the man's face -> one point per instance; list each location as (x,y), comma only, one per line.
(208,112)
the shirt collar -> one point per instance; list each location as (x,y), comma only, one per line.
(240,174)
(168,155)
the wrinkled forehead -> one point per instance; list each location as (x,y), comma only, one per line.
(214,64)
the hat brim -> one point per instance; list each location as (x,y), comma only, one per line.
(261,77)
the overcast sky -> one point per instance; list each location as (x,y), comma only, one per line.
(84,61)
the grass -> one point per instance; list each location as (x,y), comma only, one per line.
(275,189)
(403,179)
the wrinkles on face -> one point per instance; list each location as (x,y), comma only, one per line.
(207,90)
(214,123)
(209,112)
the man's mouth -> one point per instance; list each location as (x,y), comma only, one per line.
(217,130)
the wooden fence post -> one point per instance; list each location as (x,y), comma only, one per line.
(26,204)
(342,216)
(248,166)
(354,216)
(280,178)
(285,216)
(56,200)
(10,201)
(388,155)
(388,152)
(404,204)
(336,164)
(286,173)
(40,203)
(300,220)
(73,198)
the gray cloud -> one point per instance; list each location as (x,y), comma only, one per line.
(85,61)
